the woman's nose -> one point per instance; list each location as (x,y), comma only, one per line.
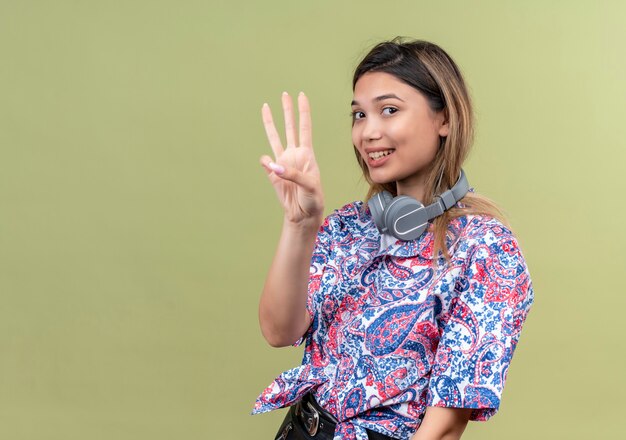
(372,129)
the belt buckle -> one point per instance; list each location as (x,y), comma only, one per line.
(312,423)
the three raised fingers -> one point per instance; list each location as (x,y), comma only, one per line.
(305,134)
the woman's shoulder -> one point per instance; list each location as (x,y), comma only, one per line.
(353,208)
(484,237)
(484,228)
(476,230)
(351,218)
(479,228)
(350,213)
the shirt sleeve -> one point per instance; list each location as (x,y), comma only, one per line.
(481,328)
(319,261)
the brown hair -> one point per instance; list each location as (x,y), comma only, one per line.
(429,69)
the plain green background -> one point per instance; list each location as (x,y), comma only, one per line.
(136,224)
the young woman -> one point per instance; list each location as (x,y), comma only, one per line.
(410,314)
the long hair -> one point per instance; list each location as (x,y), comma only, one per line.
(429,69)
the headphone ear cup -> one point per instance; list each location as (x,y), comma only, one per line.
(406,218)
(387,197)
(378,204)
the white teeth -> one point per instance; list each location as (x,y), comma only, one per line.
(378,154)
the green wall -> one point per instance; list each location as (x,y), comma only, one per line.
(136,224)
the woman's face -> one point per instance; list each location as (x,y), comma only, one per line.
(395,131)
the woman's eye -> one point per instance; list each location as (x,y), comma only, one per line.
(358,115)
(389,110)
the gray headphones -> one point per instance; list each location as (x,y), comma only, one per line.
(406,218)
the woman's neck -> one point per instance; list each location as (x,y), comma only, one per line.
(415,188)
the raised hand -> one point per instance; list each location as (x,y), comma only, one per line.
(294,172)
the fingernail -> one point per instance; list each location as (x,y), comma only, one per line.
(285,93)
(278,169)
(301,93)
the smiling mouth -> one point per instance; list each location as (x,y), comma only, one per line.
(379,154)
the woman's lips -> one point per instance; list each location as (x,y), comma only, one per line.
(378,158)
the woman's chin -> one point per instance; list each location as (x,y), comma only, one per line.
(381,179)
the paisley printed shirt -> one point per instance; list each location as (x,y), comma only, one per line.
(392,333)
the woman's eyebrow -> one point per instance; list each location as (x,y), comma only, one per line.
(382,98)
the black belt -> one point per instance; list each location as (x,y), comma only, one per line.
(316,419)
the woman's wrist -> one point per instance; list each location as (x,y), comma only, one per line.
(306,226)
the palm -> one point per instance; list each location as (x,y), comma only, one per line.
(299,187)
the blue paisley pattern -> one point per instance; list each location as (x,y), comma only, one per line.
(392,333)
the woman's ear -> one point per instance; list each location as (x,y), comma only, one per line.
(444,128)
